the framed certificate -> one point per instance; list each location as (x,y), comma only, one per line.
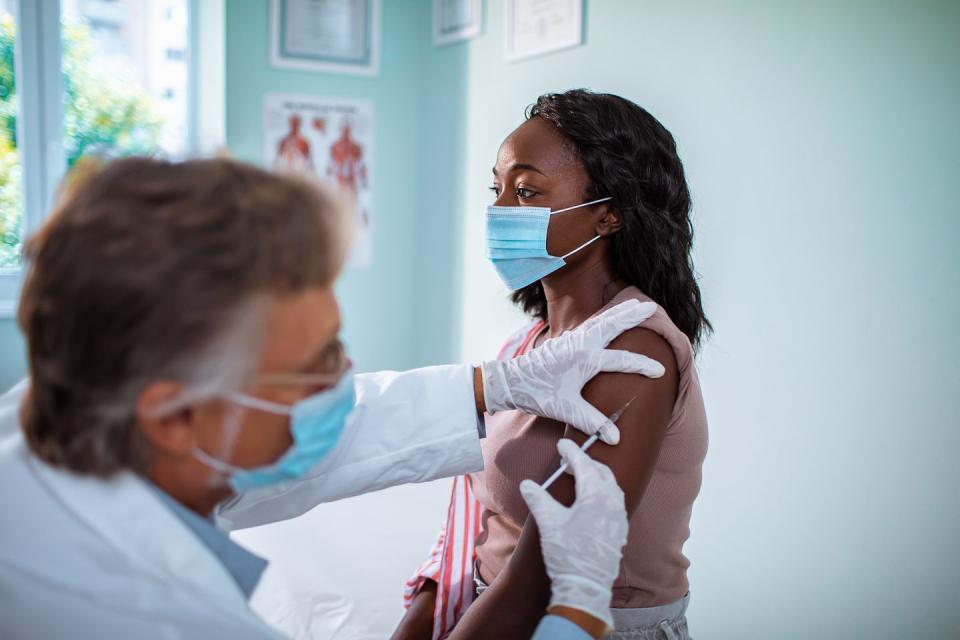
(535,27)
(455,20)
(339,36)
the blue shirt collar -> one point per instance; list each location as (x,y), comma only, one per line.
(243,566)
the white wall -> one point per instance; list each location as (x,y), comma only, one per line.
(822,147)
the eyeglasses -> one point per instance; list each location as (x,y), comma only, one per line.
(325,369)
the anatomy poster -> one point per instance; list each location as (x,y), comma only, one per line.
(332,139)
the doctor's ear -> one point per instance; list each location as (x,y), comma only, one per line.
(173,433)
(610,223)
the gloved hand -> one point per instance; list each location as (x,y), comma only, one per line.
(547,381)
(582,544)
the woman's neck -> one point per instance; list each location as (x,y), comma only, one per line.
(575,294)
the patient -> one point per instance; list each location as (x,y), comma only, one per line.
(574,148)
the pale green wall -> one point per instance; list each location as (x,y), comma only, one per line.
(438,212)
(822,146)
(385,311)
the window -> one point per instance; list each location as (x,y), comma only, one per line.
(119,67)
(11,208)
(98,76)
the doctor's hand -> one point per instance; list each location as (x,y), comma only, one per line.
(547,381)
(582,544)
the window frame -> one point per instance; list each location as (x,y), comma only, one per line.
(39,110)
(40,114)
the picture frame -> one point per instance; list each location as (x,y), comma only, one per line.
(456,20)
(538,27)
(326,35)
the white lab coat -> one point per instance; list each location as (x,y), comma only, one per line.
(82,557)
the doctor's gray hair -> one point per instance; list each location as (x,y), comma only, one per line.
(158,271)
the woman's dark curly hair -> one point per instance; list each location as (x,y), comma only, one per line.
(631,157)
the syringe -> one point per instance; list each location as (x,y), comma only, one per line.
(613,417)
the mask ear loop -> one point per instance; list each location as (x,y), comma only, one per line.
(251,402)
(239,403)
(591,240)
(585,204)
(231,430)
(588,242)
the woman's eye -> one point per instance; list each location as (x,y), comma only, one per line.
(524,193)
(495,189)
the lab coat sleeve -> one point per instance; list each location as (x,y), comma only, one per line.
(557,628)
(411,426)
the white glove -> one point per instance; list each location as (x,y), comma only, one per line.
(582,544)
(547,381)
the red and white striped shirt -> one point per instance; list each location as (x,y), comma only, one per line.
(453,556)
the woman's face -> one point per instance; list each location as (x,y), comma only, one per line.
(536,167)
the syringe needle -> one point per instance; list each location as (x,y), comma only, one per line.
(586,445)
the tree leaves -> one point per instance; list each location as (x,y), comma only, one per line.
(104,115)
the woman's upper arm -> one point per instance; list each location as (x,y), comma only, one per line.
(518,597)
(644,423)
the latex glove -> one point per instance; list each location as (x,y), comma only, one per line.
(548,380)
(582,544)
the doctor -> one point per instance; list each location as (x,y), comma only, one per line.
(182,332)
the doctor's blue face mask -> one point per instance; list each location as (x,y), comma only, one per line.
(316,423)
(517,243)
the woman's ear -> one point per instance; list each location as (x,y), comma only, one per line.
(610,223)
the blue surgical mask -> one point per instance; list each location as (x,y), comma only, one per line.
(316,423)
(517,243)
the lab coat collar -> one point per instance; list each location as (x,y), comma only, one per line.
(245,567)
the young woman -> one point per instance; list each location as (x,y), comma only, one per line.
(619,216)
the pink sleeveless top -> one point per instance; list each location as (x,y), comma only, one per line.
(654,570)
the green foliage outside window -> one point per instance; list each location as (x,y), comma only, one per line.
(103,116)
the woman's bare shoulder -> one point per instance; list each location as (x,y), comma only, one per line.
(608,389)
(644,423)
